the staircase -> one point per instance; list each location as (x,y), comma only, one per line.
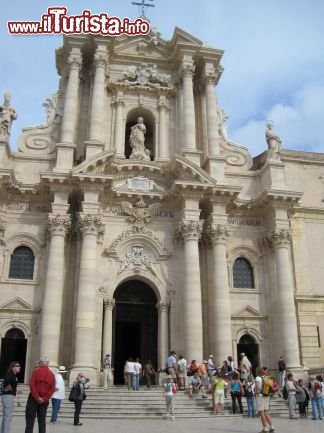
(118,402)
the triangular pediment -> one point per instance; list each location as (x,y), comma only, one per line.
(248,312)
(182,37)
(16,304)
(142,49)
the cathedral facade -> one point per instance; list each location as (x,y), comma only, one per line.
(132,225)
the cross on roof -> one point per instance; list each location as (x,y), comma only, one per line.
(143,5)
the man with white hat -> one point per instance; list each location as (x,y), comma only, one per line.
(59,393)
(210,368)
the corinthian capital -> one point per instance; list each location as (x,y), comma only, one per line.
(75,63)
(187,70)
(278,238)
(59,224)
(210,78)
(217,232)
(100,60)
(190,229)
(163,306)
(109,303)
(90,224)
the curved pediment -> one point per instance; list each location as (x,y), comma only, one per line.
(99,163)
(186,172)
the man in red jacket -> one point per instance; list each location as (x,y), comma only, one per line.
(42,387)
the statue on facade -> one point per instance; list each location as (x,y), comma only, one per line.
(274,143)
(136,141)
(7,115)
(222,127)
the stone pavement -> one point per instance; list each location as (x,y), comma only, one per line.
(212,425)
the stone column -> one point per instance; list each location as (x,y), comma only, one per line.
(190,231)
(211,112)
(189,119)
(109,305)
(163,151)
(219,301)
(119,130)
(284,311)
(163,333)
(85,323)
(96,132)
(71,101)
(50,334)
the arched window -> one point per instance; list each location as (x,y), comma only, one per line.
(22,264)
(243,274)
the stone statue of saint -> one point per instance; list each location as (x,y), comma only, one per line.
(274,143)
(7,115)
(136,141)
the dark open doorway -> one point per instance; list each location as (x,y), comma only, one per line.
(13,348)
(248,346)
(135,326)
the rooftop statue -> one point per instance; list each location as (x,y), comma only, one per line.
(136,141)
(7,115)
(274,143)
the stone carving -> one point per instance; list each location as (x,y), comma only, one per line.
(132,232)
(136,141)
(147,76)
(274,143)
(7,115)
(140,213)
(59,224)
(2,232)
(41,139)
(91,224)
(138,183)
(222,127)
(217,232)
(137,258)
(278,238)
(190,229)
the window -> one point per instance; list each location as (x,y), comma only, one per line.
(243,274)
(22,264)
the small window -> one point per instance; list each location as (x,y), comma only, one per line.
(22,264)
(243,274)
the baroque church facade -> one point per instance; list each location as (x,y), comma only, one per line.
(132,225)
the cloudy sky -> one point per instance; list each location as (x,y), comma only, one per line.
(273,61)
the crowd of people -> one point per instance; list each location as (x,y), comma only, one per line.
(205,378)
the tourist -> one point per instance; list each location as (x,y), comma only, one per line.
(236,392)
(193,368)
(169,390)
(245,367)
(210,368)
(8,395)
(107,371)
(42,387)
(78,395)
(149,373)
(292,390)
(137,374)
(282,371)
(182,372)
(196,386)
(172,366)
(302,398)
(129,371)
(249,393)
(202,371)
(219,386)
(316,398)
(59,394)
(263,403)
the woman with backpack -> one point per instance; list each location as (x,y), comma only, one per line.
(302,398)
(249,392)
(77,395)
(236,392)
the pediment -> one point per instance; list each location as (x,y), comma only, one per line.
(182,37)
(142,46)
(187,172)
(248,312)
(16,304)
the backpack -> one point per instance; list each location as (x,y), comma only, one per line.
(317,388)
(266,386)
(248,390)
(235,387)
(1,386)
(285,393)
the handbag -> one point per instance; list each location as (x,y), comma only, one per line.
(74,394)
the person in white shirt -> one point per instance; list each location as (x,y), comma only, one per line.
(210,368)
(58,395)
(182,372)
(138,371)
(129,373)
(291,388)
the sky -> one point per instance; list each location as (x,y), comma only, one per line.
(273,62)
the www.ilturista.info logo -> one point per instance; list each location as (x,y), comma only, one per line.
(56,21)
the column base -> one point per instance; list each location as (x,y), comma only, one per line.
(91,373)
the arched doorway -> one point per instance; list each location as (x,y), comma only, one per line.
(13,348)
(248,345)
(134,325)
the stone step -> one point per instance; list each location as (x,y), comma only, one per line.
(118,402)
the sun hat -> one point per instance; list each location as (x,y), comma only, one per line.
(61,369)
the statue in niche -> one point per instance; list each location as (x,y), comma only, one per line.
(274,143)
(136,141)
(7,115)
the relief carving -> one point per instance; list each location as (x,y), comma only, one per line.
(137,258)
(139,213)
